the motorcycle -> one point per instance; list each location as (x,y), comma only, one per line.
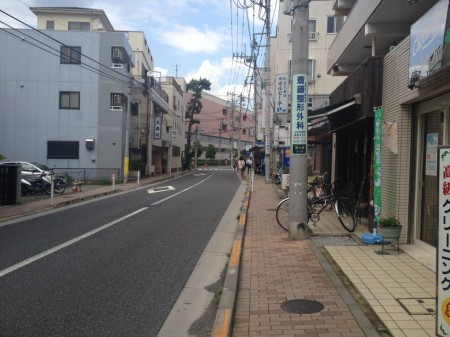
(35,185)
(59,184)
(276,176)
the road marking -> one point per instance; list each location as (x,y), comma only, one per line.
(66,244)
(160,189)
(186,189)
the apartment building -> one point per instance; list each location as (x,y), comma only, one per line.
(227,125)
(82,95)
(323,28)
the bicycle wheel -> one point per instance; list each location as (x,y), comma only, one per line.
(345,215)
(282,214)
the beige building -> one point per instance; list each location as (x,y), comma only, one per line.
(323,28)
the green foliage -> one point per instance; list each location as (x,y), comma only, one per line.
(197,145)
(390,221)
(211,152)
(193,107)
(2,157)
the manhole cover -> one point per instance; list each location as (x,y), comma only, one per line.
(302,306)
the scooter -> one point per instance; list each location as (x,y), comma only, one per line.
(35,185)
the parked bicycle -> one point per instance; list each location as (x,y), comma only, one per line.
(341,202)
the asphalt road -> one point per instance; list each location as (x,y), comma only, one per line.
(109,267)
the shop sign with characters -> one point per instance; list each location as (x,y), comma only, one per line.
(299,114)
(443,248)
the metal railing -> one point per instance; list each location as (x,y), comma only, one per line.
(91,175)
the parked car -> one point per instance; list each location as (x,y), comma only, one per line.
(35,170)
(30,168)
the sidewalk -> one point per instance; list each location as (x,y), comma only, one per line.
(395,293)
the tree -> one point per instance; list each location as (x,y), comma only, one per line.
(211,152)
(193,107)
(196,145)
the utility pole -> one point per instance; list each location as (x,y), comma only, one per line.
(298,175)
(267,94)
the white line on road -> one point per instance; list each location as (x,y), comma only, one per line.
(66,244)
(186,189)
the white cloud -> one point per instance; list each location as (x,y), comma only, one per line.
(192,40)
(219,76)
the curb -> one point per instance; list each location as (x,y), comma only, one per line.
(223,322)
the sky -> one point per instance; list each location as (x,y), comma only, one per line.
(187,38)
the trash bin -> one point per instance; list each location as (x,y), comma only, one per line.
(10,183)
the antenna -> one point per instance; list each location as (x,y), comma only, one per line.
(176,69)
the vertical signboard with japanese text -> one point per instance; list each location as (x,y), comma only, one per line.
(443,247)
(299,114)
(377,144)
(281,98)
(157,127)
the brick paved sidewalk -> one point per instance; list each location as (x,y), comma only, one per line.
(274,270)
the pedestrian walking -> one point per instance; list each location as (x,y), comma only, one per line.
(248,164)
(241,167)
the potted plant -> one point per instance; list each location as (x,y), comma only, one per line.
(390,227)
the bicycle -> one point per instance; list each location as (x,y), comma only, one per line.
(342,206)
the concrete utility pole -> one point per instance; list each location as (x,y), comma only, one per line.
(298,175)
(267,95)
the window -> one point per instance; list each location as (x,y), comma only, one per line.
(79,25)
(334,24)
(118,101)
(70,55)
(50,25)
(311,69)
(312,30)
(63,149)
(69,100)
(116,54)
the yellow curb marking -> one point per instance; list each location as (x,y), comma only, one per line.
(235,253)
(221,329)
(242,219)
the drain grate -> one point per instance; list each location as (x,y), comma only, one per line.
(302,306)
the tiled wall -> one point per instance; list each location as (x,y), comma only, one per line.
(396,168)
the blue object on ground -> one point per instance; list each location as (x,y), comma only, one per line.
(371,239)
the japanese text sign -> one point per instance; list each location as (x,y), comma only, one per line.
(299,117)
(281,94)
(158,127)
(443,248)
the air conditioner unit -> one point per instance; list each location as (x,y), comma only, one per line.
(116,107)
(116,65)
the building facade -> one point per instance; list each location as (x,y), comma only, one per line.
(394,55)
(82,95)
(323,28)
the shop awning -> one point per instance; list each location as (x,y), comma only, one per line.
(331,109)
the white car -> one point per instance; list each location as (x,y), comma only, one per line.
(29,168)
(33,168)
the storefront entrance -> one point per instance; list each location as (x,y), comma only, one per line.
(433,131)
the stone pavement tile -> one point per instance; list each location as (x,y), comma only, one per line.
(274,270)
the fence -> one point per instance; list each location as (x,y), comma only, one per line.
(88,174)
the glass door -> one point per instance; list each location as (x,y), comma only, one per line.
(432,136)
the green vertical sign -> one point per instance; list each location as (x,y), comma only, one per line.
(377,141)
